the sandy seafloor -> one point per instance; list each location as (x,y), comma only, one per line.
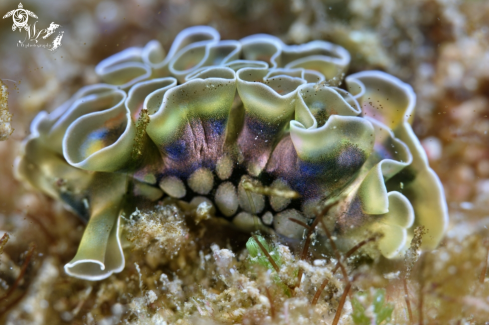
(440,47)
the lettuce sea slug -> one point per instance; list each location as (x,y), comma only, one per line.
(258,131)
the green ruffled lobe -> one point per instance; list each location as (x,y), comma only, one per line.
(210,120)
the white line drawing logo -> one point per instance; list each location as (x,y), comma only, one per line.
(20,17)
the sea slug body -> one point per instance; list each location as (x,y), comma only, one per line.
(259,130)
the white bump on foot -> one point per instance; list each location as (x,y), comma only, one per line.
(224,167)
(201,181)
(284,226)
(247,222)
(279,203)
(267,218)
(226,199)
(249,201)
(173,186)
